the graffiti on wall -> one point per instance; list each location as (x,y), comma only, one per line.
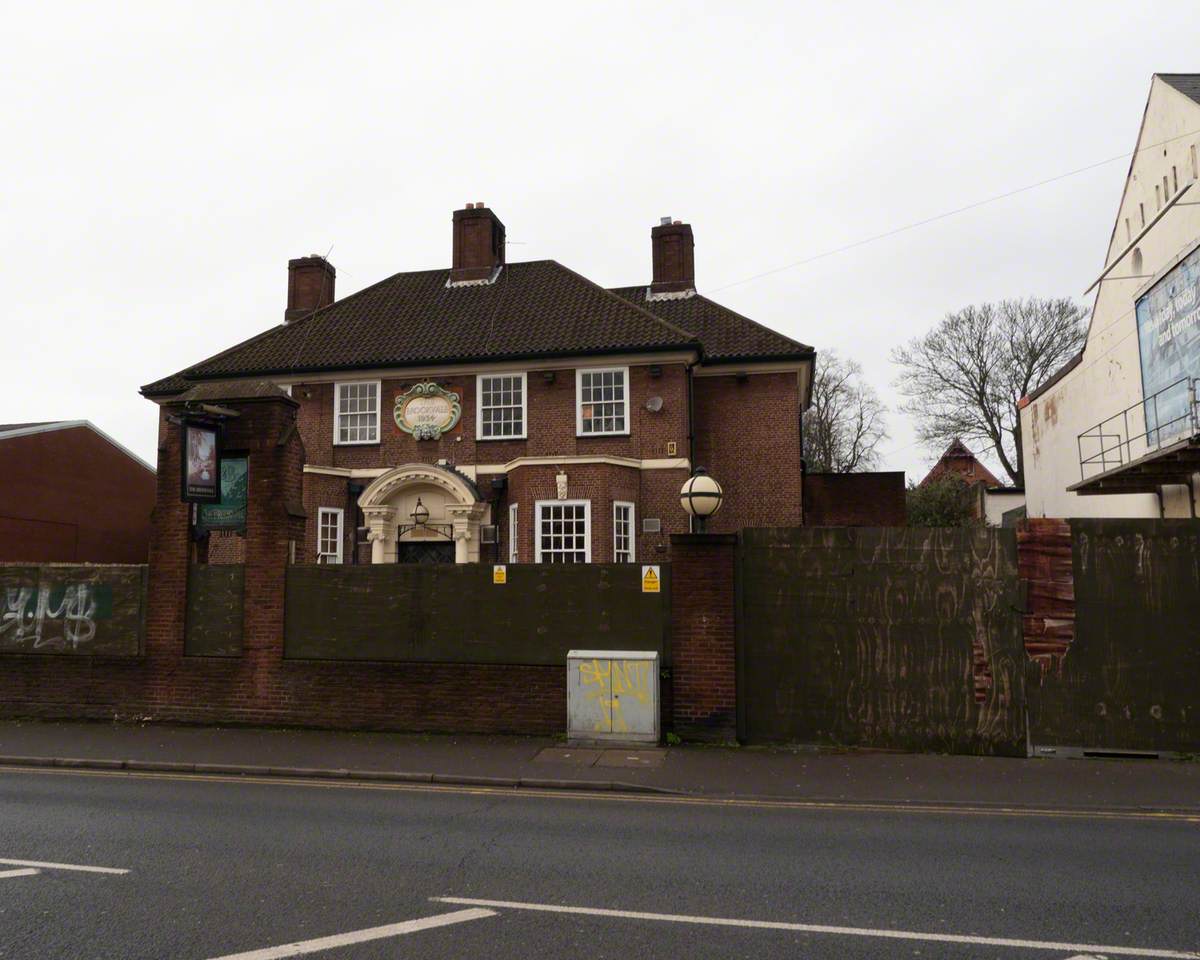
(60,617)
(606,682)
(71,609)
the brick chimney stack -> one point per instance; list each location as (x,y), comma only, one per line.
(310,286)
(478,243)
(673,255)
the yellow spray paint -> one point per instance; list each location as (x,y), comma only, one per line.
(607,681)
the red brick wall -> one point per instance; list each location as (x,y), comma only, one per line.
(550,431)
(748,438)
(70,496)
(703,651)
(855,500)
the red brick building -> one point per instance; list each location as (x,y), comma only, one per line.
(69,493)
(960,461)
(519,412)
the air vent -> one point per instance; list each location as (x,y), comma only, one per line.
(651,525)
(487,533)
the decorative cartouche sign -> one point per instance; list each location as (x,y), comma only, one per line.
(427,411)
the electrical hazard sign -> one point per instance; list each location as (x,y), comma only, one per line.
(651,579)
(499,573)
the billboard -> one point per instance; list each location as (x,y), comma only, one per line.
(1168,325)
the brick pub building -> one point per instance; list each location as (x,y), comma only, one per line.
(517,412)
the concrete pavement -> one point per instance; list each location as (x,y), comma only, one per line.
(846,776)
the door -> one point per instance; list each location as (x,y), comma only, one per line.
(425,552)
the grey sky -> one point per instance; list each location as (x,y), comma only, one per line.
(162,162)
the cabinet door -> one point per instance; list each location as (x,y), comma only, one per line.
(590,696)
(633,704)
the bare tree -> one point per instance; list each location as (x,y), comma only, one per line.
(846,422)
(964,377)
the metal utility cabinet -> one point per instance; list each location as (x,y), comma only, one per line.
(612,695)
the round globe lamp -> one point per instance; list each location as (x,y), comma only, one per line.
(700,498)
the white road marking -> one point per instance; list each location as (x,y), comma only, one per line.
(359,936)
(821,928)
(28,872)
(61,866)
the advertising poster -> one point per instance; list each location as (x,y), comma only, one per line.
(1168,323)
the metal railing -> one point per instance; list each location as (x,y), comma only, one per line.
(1140,429)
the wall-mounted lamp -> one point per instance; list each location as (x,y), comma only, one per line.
(548,376)
(655,370)
(700,497)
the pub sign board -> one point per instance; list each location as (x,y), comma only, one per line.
(201,463)
(229,513)
(1168,325)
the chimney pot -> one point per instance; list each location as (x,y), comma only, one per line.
(672,248)
(663,221)
(310,286)
(478,247)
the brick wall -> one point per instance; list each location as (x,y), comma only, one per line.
(53,511)
(855,499)
(704,672)
(550,431)
(748,438)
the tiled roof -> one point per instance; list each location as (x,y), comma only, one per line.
(1186,83)
(727,336)
(539,308)
(535,309)
(241,390)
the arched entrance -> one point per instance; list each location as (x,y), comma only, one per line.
(455,513)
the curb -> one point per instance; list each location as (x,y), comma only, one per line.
(323,773)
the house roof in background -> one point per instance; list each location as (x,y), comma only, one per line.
(959,460)
(534,309)
(11,431)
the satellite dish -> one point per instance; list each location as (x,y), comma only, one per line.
(654,404)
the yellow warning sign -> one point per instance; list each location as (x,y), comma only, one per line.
(499,573)
(651,582)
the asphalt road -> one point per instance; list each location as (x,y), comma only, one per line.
(223,867)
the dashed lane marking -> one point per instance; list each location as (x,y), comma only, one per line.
(1116,951)
(301,947)
(60,866)
(29,872)
(952,809)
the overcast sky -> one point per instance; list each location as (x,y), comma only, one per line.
(162,162)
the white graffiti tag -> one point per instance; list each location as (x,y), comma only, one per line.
(28,619)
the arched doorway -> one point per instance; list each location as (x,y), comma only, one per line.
(451,514)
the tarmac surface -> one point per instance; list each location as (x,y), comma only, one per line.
(145,865)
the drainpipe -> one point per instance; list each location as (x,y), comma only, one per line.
(691,402)
(353,492)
